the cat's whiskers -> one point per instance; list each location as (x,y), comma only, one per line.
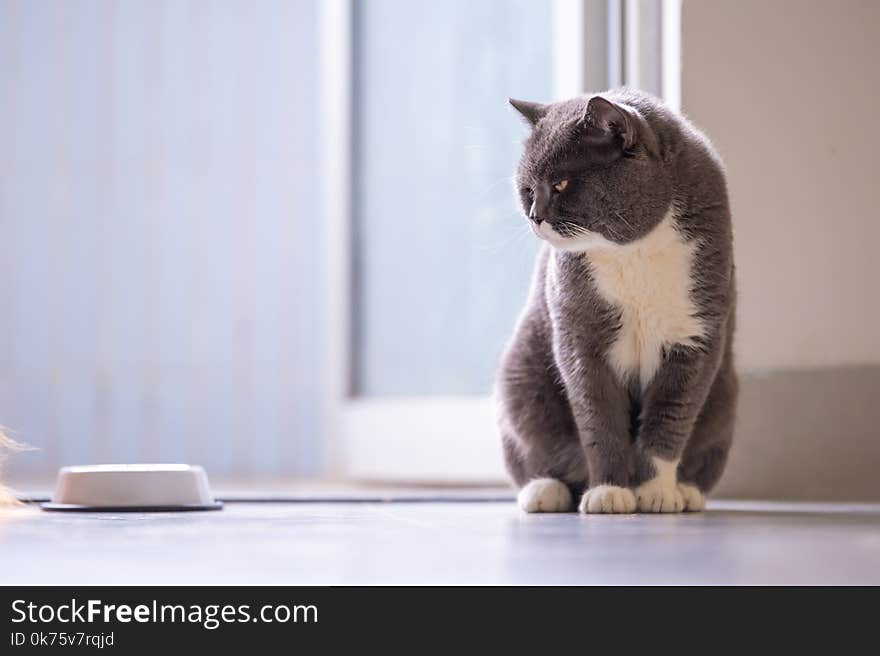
(625,222)
(575,229)
(515,236)
(615,232)
(493,185)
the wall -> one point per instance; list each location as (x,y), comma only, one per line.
(788,92)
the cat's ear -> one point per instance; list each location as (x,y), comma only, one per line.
(608,120)
(531,111)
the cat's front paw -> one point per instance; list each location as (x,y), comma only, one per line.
(694,500)
(608,499)
(659,496)
(543,495)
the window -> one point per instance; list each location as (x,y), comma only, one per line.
(441,258)
(441,261)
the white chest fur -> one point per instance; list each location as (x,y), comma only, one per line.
(650,281)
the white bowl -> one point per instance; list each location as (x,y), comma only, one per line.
(132,488)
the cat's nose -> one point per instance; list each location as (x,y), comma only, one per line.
(533,214)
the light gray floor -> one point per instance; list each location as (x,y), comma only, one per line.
(443,543)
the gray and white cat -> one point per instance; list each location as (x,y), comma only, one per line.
(618,385)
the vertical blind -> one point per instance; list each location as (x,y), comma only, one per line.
(158,294)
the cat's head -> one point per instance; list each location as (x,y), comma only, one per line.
(592,172)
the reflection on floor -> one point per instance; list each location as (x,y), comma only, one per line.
(444,543)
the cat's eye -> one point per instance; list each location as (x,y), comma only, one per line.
(561,185)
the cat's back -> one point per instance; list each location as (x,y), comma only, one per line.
(694,164)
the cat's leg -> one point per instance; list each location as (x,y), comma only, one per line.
(547,473)
(541,450)
(706,452)
(672,402)
(602,416)
(600,407)
(539,440)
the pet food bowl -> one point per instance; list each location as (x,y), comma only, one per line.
(132,488)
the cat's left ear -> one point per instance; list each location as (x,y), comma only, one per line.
(611,121)
(531,111)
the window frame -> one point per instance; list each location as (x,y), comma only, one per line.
(597,44)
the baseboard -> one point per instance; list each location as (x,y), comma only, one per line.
(807,435)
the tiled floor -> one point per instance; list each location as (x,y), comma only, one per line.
(481,543)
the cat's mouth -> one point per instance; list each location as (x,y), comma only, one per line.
(580,242)
(546,232)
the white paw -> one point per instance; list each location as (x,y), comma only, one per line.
(694,500)
(608,499)
(659,496)
(661,493)
(544,495)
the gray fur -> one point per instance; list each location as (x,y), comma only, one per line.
(562,411)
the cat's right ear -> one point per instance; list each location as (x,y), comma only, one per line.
(532,112)
(607,120)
